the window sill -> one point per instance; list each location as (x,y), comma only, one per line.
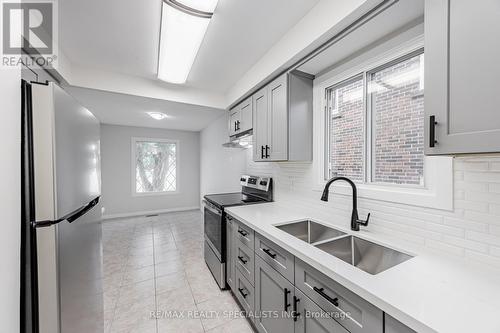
(437,194)
(154,194)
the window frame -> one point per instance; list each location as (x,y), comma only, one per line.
(437,191)
(133,170)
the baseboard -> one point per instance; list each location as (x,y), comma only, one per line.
(148,212)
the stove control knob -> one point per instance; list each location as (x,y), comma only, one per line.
(263,183)
(242,179)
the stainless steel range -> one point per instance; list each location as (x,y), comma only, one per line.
(254,190)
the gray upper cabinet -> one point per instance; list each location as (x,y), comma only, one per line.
(273,294)
(234,118)
(277,127)
(246,121)
(282,118)
(260,119)
(461,76)
(240,118)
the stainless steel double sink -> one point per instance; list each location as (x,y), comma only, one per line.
(365,255)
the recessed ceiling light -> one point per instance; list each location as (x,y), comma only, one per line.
(183,27)
(157,115)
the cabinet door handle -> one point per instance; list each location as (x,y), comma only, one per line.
(267,151)
(268,252)
(262,152)
(242,292)
(235,126)
(238,125)
(295,313)
(285,294)
(334,301)
(242,232)
(242,260)
(432,131)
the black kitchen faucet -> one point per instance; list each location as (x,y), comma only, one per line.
(355,221)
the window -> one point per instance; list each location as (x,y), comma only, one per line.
(375,124)
(154,166)
(347,142)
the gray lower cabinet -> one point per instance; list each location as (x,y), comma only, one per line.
(244,261)
(350,310)
(273,300)
(394,326)
(283,294)
(244,292)
(244,235)
(278,258)
(229,251)
(312,319)
(461,76)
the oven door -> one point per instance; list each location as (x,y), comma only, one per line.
(213,224)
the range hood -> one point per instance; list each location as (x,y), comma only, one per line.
(241,140)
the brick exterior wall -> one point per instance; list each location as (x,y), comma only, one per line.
(347,138)
(397,106)
(398,118)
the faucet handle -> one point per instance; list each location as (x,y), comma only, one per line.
(364,223)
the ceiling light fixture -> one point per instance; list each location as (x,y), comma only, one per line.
(157,115)
(183,27)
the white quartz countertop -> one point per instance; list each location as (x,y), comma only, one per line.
(429,293)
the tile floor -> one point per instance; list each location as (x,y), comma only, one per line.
(156,281)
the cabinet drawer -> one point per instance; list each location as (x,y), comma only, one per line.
(244,235)
(333,298)
(311,319)
(244,292)
(245,261)
(275,256)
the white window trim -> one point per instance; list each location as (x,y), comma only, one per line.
(134,140)
(437,191)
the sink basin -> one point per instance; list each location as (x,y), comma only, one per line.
(367,256)
(310,231)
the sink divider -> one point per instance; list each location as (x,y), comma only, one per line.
(328,240)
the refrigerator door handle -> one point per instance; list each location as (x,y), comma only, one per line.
(70,217)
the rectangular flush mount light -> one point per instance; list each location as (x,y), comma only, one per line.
(183,27)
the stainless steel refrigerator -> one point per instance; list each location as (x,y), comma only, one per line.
(61,266)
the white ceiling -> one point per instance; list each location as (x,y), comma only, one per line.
(128,110)
(122,36)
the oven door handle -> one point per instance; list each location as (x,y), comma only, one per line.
(212,208)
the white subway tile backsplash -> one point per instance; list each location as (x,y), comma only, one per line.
(468,225)
(480,217)
(484,238)
(477,206)
(466,243)
(471,230)
(487,177)
(494,187)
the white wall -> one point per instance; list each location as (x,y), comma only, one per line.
(221,167)
(116,172)
(10,195)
